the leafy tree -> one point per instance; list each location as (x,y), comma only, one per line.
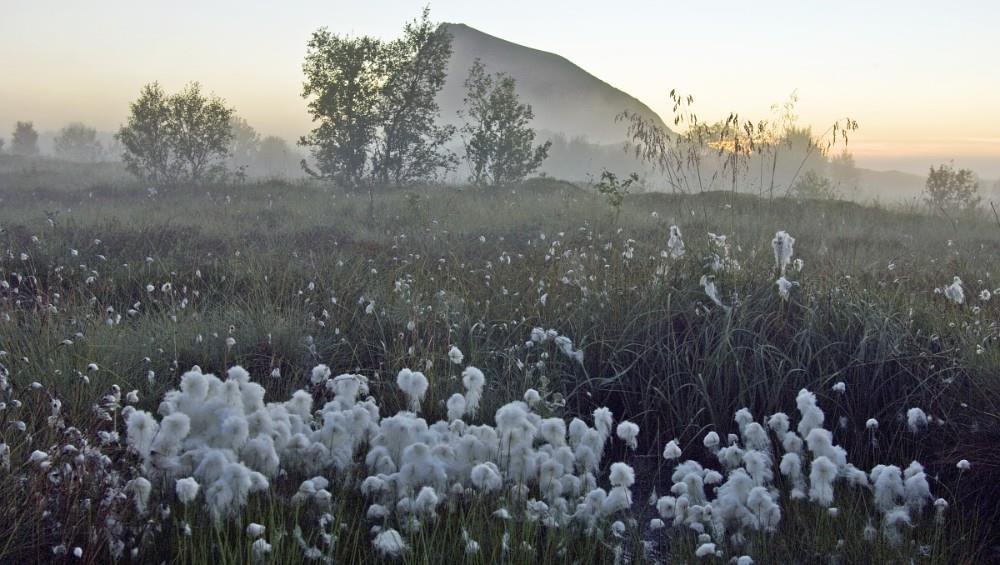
(813,185)
(344,77)
(200,131)
(77,142)
(498,139)
(801,153)
(244,146)
(24,140)
(145,140)
(376,106)
(412,145)
(113,149)
(844,173)
(177,138)
(949,189)
(614,190)
(275,158)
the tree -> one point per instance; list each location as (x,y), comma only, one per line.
(498,138)
(275,158)
(376,104)
(949,189)
(200,131)
(145,141)
(177,138)
(614,190)
(77,142)
(24,140)
(411,144)
(1,145)
(844,173)
(343,75)
(244,146)
(815,186)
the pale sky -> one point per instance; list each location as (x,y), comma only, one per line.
(922,78)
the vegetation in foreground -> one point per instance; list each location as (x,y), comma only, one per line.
(112,289)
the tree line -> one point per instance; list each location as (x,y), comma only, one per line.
(378,123)
(377,119)
(75,142)
(248,153)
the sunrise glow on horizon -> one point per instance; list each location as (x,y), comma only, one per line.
(921,84)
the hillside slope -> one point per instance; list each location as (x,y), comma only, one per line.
(565,98)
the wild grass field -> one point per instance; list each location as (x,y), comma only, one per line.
(111,294)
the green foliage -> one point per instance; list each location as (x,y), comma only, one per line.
(412,145)
(24,140)
(864,314)
(177,138)
(376,105)
(343,77)
(199,130)
(497,135)
(614,190)
(948,189)
(77,142)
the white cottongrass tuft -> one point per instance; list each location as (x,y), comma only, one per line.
(784,287)
(705,550)
(673,451)
(916,419)
(711,441)
(388,543)
(474,382)
(455,355)
(622,475)
(187,489)
(414,385)
(319,374)
(456,407)
(708,283)
(629,433)
(783,245)
(471,545)
(486,477)
(887,486)
(260,548)
(532,397)
(821,476)
(675,244)
(954,291)
(812,416)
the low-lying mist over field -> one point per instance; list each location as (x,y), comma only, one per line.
(475,304)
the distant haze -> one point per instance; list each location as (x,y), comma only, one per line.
(564,97)
(920,77)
